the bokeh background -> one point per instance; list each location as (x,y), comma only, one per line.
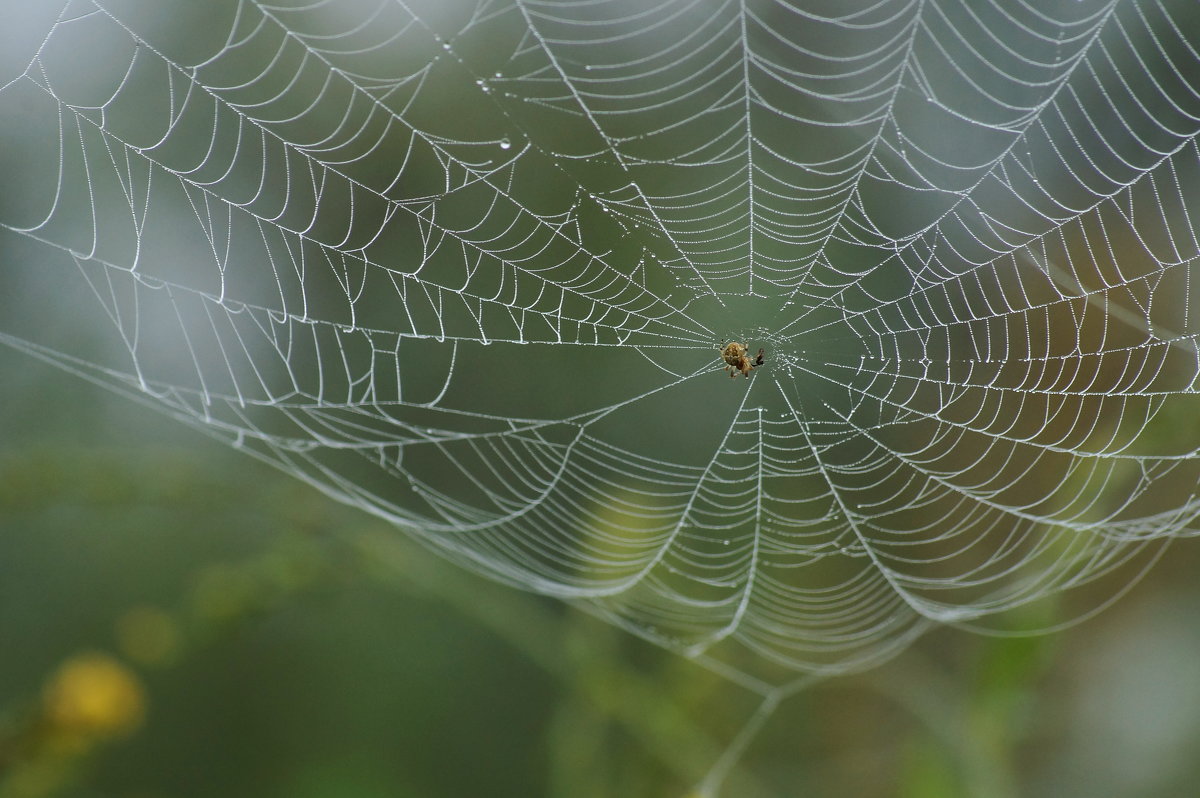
(178,619)
(213,626)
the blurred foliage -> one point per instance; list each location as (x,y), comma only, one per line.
(89,700)
(178,620)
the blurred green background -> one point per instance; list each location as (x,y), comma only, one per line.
(180,620)
(177,619)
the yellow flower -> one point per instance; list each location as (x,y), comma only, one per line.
(93,697)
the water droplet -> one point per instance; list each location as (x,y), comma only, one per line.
(446,46)
(505,143)
(498,75)
(726,542)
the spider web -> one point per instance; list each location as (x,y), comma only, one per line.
(468,265)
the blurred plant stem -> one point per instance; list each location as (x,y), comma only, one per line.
(978,725)
(578,651)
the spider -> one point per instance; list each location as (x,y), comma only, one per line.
(737,358)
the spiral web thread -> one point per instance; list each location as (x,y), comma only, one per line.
(467,266)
